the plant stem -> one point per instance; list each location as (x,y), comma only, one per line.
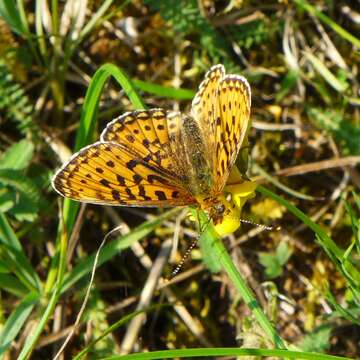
(238,281)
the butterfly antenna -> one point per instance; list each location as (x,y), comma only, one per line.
(184,258)
(264,227)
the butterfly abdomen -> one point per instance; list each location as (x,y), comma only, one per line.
(199,166)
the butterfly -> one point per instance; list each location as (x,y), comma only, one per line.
(164,158)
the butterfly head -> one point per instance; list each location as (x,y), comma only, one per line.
(225,215)
(225,210)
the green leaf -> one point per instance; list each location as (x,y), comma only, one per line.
(273,263)
(334,121)
(283,252)
(288,83)
(17,180)
(16,320)
(209,257)
(204,353)
(11,284)
(25,209)
(26,195)
(318,340)
(164,91)
(272,267)
(7,199)
(17,156)
(14,258)
(10,13)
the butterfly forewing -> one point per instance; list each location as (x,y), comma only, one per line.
(126,172)
(144,131)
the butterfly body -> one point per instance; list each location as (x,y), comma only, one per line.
(165,158)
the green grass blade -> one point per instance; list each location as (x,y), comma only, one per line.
(258,169)
(113,248)
(328,76)
(12,285)
(16,320)
(220,252)
(164,91)
(47,306)
(217,352)
(95,19)
(10,13)
(40,36)
(124,320)
(329,22)
(15,255)
(35,334)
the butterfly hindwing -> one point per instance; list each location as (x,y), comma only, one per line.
(203,105)
(232,119)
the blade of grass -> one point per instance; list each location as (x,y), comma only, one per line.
(278,184)
(47,306)
(164,91)
(16,320)
(321,68)
(217,352)
(96,18)
(329,22)
(15,254)
(124,320)
(12,285)
(40,36)
(10,13)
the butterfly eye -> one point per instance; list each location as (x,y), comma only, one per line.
(220,208)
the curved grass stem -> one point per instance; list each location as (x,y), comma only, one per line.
(221,255)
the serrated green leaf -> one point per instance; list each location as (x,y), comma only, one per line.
(17,156)
(7,199)
(17,180)
(25,209)
(271,265)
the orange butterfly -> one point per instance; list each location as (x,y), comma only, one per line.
(164,158)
